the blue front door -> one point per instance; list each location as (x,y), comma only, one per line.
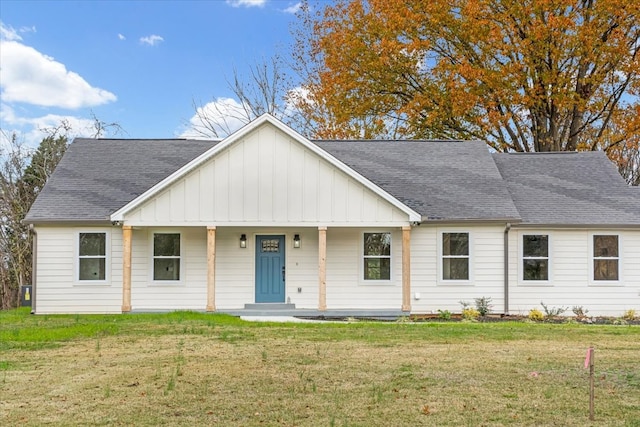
(270,269)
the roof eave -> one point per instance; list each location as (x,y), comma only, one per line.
(578,226)
(452,221)
(69,221)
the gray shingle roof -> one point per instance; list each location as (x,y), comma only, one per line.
(441,180)
(569,189)
(97,177)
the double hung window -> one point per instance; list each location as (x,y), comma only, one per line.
(92,256)
(455,256)
(166,257)
(377,256)
(605,257)
(535,257)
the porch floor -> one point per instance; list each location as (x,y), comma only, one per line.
(303,313)
(378,314)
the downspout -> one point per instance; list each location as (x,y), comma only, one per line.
(506,268)
(34,267)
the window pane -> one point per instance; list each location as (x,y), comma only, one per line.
(92,244)
(455,269)
(166,269)
(605,246)
(377,269)
(92,269)
(535,246)
(166,244)
(272,245)
(377,243)
(536,269)
(455,243)
(605,269)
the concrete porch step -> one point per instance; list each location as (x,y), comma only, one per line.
(270,306)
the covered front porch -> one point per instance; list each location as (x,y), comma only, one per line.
(302,271)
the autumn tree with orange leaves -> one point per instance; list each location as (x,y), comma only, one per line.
(523,75)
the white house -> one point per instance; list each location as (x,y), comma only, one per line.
(269,219)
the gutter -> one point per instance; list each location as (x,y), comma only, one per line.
(629,226)
(68,222)
(452,221)
(506,268)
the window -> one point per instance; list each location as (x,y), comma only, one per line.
(377,256)
(166,256)
(535,257)
(92,256)
(455,256)
(605,257)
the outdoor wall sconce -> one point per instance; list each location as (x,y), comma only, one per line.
(296,241)
(243,241)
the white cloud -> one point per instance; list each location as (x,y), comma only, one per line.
(121,37)
(223,115)
(31,29)
(151,40)
(31,131)
(293,9)
(8,33)
(31,77)
(246,3)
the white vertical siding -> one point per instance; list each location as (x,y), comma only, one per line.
(485,269)
(570,278)
(266,178)
(57,287)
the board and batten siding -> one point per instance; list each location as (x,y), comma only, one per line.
(57,288)
(486,269)
(266,178)
(570,281)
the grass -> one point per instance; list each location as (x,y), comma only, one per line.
(188,368)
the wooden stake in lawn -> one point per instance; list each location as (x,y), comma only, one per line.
(590,362)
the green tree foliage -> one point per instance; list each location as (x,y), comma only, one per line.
(22,176)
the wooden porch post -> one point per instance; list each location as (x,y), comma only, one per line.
(322,268)
(127,232)
(406,268)
(211,268)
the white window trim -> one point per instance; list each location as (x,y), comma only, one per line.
(521,258)
(441,257)
(362,257)
(592,258)
(180,281)
(107,257)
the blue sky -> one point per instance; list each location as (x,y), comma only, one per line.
(138,63)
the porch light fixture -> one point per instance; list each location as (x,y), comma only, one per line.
(243,241)
(296,241)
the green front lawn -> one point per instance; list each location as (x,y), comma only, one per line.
(200,369)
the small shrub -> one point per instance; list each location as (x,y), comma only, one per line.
(483,305)
(580,312)
(464,304)
(629,315)
(403,319)
(535,315)
(444,314)
(552,312)
(470,313)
